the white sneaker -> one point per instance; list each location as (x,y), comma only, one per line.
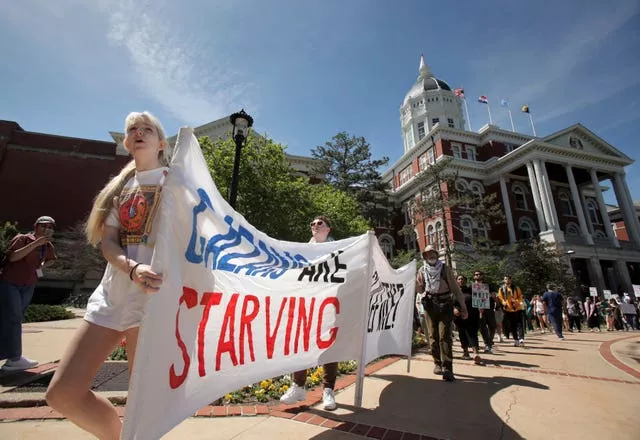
(522,342)
(328,399)
(293,395)
(21,364)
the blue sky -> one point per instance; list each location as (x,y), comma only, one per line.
(307,70)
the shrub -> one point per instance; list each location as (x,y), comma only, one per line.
(42,312)
(120,352)
(263,391)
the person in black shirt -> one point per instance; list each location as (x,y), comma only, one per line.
(467,328)
(487,316)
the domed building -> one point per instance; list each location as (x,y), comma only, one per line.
(548,186)
(429,102)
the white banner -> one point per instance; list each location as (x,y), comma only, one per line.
(237,306)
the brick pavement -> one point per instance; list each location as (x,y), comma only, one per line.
(305,412)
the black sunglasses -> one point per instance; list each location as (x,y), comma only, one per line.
(316,223)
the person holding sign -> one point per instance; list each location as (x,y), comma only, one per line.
(468,328)
(121,221)
(436,284)
(22,265)
(488,321)
(320,228)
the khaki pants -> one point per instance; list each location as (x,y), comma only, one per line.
(439,316)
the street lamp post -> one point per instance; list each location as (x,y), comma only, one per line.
(241,122)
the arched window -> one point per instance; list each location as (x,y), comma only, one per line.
(520,195)
(565,204)
(440,235)
(386,243)
(476,188)
(466,224)
(431,235)
(526,229)
(599,234)
(592,208)
(461,185)
(482,230)
(572,230)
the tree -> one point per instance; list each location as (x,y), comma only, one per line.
(272,198)
(403,258)
(346,163)
(441,199)
(537,263)
(8,230)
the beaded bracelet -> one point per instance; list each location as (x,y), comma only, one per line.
(133,269)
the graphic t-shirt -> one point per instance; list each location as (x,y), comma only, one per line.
(117,302)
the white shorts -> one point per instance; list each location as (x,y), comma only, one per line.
(117,303)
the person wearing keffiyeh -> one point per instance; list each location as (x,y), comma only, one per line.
(437,286)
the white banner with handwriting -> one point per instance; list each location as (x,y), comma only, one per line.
(237,306)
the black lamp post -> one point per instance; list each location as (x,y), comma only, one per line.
(242,122)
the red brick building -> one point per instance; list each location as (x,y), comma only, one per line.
(549,186)
(44,174)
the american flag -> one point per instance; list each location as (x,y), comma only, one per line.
(459,92)
(483,99)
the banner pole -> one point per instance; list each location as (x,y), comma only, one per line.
(357,400)
(410,319)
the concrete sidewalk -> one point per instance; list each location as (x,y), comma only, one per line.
(584,387)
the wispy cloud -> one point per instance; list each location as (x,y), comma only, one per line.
(171,67)
(556,71)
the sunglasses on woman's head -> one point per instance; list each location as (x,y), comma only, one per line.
(316,223)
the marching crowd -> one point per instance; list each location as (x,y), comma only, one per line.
(445,303)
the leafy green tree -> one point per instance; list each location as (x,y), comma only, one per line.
(537,263)
(442,200)
(8,230)
(346,163)
(272,198)
(404,257)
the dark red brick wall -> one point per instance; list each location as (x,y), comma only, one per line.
(60,178)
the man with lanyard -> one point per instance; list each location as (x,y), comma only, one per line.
(437,285)
(23,262)
(510,296)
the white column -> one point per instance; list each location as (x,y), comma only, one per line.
(550,198)
(544,195)
(597,270)
(623,273)
(507,209)
(537,201)
(603,208)
(578,205)
(627,208)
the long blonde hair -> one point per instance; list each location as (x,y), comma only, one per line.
(103,202)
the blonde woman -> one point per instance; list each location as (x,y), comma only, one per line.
(121,221)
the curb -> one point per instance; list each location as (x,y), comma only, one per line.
(26,401)
(300,412)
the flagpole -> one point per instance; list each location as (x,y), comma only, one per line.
(532,126)
(489,110)
(513,128)
(466,109)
